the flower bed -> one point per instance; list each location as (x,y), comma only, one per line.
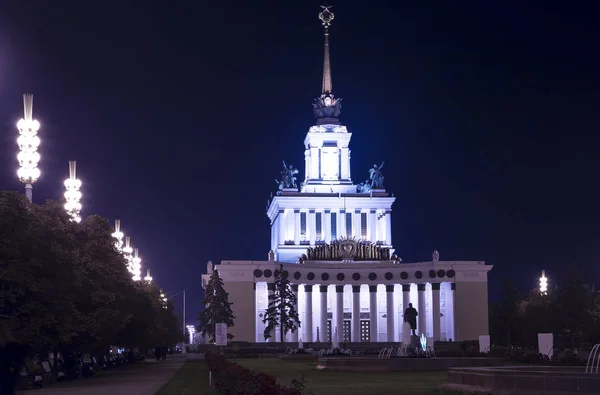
(234,379)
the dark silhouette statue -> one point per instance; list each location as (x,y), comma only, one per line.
(410,316)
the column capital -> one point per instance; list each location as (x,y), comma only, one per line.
(421,287)
(372,288)
(405,287)
(339,288)
(356,288)
(294,287)
(308,288)
(323,288)
(453,286)
(435,286)
(270,286)
(389,288)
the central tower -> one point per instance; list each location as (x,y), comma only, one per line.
(327,152)
(328,206)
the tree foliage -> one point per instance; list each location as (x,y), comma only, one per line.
(217,308)
(281,311)
(64,286)
(569,310)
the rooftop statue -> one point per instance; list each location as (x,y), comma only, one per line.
(364,187)
(288,177)
(376,176)
(327,106)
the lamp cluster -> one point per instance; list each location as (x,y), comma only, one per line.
(28,142)
(28,173)
(543,283)
(163,299)
(72,194)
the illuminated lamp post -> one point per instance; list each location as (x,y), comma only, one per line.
(28,142)
(127,253)
(136,266)
(72,194)
(163,299)
(543,283)
(118,235)
(191,330)
(148,276)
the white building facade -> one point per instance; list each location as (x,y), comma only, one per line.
(334,239)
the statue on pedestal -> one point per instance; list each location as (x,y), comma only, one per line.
(288,177)
(410,316)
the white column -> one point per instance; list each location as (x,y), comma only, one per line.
(356,228)
(388,227)
(323,318)
(314,162)
(326,224)
(422,317)
(271,291)
(435,309)
(338,315)
(391,331)
(312,227)
(372,224)
(373,312)
(341,223)
(295,333)
(296,226)
(355,335)
(308,314)
(450,313)
(405,301)
(281,226)
(345,153)
(306,164)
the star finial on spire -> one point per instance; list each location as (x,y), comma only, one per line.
(326,16)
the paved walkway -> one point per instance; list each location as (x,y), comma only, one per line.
(143,378)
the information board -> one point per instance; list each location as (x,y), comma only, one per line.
(220,334)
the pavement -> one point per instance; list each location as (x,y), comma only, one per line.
(142,378)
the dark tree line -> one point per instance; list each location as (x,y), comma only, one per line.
(569,309)
(64,286)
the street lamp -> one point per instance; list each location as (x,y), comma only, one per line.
(136,265)
(127,253)
(163,299)
(72,194)
(191,330)
(118,235)
(543,283)
(148,276)
(28,142)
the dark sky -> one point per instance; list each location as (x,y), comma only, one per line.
(488,118)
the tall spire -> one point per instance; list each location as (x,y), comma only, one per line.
(327,108)
(326,16)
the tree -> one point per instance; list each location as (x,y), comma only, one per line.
(217,308)
(282,307)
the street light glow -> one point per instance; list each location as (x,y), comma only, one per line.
(148,276)
(118,235)
(28,142)
(191,330)
(72,194)
(543,283)
(136,265)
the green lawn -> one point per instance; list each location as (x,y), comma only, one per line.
(342,383)
(191,379)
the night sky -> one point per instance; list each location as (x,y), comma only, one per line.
(487,116)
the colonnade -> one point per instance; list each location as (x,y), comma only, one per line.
(356,328)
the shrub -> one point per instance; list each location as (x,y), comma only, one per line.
(234,379)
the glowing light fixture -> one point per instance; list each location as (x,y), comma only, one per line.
(128,253)
(118,235)
(191,330)
(28,142)
(543,283)
(163,299)
(148,276)
(136,265)
(72,194)
(423,342)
